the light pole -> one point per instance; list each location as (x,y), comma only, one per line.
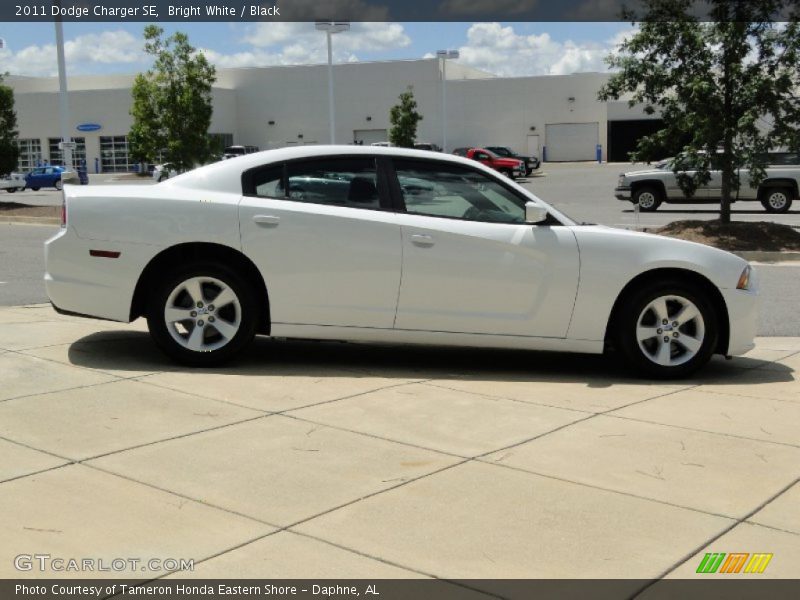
(443,55)
(330,28)
(63,102)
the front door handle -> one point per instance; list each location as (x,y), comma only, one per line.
(419,239)
(267,220)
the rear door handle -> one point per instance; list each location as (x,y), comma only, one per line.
(267,220)
(422,240)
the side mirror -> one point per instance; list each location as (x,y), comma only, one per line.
(535,213)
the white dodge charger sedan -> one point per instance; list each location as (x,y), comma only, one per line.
(390,245)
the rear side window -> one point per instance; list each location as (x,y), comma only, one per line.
(337,181)
(268,182)
(446,190)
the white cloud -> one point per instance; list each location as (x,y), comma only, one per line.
(301,43)
(81,54)
(502,51)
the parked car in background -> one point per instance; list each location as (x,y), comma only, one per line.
(510,167)
(531,162)
(427,146)
(15,182)
(164,171)
(382,144)
(40,177)
(658,184)
(234,151)
(387,245)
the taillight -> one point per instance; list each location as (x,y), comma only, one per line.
(63,210)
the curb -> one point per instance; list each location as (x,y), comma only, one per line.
(31,220)
(769,257)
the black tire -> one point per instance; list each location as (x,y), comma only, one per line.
(247,316)
(507,173)
(35,189)
(11,190)
(648,198)
(776,200)
(642,357)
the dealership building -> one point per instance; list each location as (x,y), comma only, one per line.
(557,118)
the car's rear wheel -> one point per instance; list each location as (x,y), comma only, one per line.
(776,200)
(203,314)
(11,190)
(667,329)
(35,189)
(648,198)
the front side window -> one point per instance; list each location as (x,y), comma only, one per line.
(337,181)
(444,190)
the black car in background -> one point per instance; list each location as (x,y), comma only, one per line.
(531,162)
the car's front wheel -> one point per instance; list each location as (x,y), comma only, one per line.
(58,185)
(648,198)
(35,189)
(202,315)
(776,200)
(667,329)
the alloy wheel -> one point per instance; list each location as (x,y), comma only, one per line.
(670,330)
(203,314)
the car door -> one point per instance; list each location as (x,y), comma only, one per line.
(34,178)
(470,262)
(482,157)
(323,235)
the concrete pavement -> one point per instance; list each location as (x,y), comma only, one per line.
(347,460)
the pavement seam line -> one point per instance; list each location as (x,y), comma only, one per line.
(715,537)
(375,436)
(604,489)
(719,433)
(179,495)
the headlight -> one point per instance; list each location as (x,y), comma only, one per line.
(621,180)
(744,279)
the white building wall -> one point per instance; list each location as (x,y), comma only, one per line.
(482,110)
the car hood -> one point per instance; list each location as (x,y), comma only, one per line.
(646,172)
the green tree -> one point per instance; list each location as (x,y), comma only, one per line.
(404,119)
(727,87)
(172,102)
(9,152)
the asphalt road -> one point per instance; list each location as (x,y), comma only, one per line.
(585,192)
(22,266)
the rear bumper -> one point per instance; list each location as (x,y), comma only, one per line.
(622,193)
(77,283)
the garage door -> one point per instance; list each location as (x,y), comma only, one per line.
(571,141)
(370,136)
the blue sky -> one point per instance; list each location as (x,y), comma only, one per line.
(506,49)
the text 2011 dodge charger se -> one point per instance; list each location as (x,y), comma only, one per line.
(390,245)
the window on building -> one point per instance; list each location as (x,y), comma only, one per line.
(57,155)
(114,156)
(30,154)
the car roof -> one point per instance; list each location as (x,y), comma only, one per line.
(226,176)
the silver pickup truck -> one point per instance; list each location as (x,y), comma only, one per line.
(650,187)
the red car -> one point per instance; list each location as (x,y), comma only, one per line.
(510,167)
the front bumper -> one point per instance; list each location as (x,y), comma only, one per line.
(743,316)
(622,193)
